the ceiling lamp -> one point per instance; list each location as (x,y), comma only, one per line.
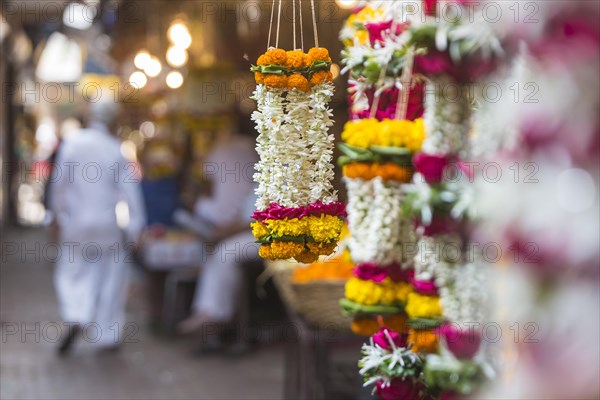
(179,35)
(347,4)
(141,60)
(138,80)
(174,79)
(177,57)
(153,67)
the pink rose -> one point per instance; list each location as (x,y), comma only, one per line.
(382,340)
(399,389)
(431,166)
(463,343)
(370,272)
(427,288)
(376,31)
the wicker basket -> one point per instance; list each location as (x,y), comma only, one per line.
(317,302)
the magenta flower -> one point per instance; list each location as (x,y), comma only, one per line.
(399,389)
(370,272)
(431,166)
(463,343)
(383,337)
(376,31)
(427,288)
(439,224)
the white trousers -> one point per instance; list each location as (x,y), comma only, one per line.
(92,290)
(220,279)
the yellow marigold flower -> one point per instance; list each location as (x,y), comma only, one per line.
(371,293)
(287,227)
(259,230)
(321,77)
(275,57)
(419,306)
(402,290)
(325,228)
(307,257)
(276,81)
(259,77)
(318,54)
(297,81)
(295,59)
(362,36)
(423,341)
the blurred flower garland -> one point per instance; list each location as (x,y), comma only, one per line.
(446,287)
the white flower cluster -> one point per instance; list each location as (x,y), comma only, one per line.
(294,146)
(380,232)
(437,257)
(466,299)
(447,118)
(379,364)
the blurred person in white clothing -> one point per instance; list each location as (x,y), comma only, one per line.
(223,221)
(92,274)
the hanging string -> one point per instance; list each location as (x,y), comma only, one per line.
(314,18)
(405,80)
(271,25)
(294,22)
(301,26)
(278,24)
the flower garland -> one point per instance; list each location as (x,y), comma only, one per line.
(297,215)
(378,145)
(390,365)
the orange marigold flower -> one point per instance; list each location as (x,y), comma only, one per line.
(276,81)
(370,326)
(423,341)
(322,249)
(318,54)
(307,257)
(321,77)
(295,59)
(259,77)
(364,326)
(262,60)
(275,57)
(264,251)
(297,81)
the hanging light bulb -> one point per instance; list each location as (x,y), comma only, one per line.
(174,79)
(153,67)
(142,59)
(179,35)
(346,3)
(177,57)
(138,79)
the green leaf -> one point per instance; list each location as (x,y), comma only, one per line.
(390,151)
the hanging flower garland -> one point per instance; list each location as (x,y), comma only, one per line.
(384,132)
(297,214)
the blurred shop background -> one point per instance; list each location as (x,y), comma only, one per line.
(180,71)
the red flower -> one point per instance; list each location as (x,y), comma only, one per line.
(376,31)
(399,389)
(439,224)
(427,288)
(463,343)
(381,339)
(431,166)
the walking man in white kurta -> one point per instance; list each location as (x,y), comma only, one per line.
(92,275)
